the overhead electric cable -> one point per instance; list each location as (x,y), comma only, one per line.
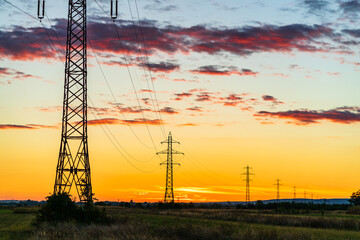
(144,171)
(145,64)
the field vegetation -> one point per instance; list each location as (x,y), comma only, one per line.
(186,223)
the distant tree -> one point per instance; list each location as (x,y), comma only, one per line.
(355,198)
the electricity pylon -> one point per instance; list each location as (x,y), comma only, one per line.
(277,189)
(294,194)
(247,179)
(73,163)
(169,190)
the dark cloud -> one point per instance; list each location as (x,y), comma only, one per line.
(248,40)
(350,9)
(316,7)
(305,117)
(141,121)
(14,74)
(350,6)
(19,43)
(109,121)
(155,67)
(222,70)
(14,126)
(113,121)
(204,97)
(161,6)
(162,66)
(180,96)
(352,32)
(272,99)
(168,110)
(196,109)
(27,126)
(232,100)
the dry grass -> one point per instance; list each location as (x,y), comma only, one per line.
(139,230)
(269,219)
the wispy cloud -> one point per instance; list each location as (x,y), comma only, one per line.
(222,70)
(27,126)
(136,121)
(305,117)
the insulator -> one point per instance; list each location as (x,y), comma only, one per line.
(114,12)
(41,9)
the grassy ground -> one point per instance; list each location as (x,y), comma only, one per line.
(14,226)
(176,224)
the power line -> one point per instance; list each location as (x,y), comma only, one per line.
(109,89)
(53,45)
(141,170)
(53,28)
(137,98)
(132,81)
(113,95)
(145,63)
(21,10)
(43,26)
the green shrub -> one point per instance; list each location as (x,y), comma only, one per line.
(60,208)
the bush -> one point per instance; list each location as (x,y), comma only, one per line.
(353,210)
(60,208)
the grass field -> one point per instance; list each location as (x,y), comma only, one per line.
(15,225)
(134,223)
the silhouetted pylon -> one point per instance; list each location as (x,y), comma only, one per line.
(169,189)
(73,162)
(277,189)
(247,179)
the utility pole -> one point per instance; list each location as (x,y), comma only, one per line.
(73,161)
(278,189)
(169,189)
(294,194)
(247,174)
(304,196)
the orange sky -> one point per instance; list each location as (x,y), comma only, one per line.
(273,86)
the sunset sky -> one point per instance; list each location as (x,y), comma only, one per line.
(269,84)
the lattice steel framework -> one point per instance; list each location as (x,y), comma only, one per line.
(247,174)
(169,190)
(277,189)
(75,167)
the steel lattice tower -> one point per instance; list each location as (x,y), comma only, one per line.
(247,179)
(278,189)
(169,190)
(73,163)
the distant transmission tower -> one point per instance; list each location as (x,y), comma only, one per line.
(294,193)
(277,189)
(73,162)
(247,174)
(169,190)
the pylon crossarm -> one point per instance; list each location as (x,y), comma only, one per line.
(177,152)
(162,152)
